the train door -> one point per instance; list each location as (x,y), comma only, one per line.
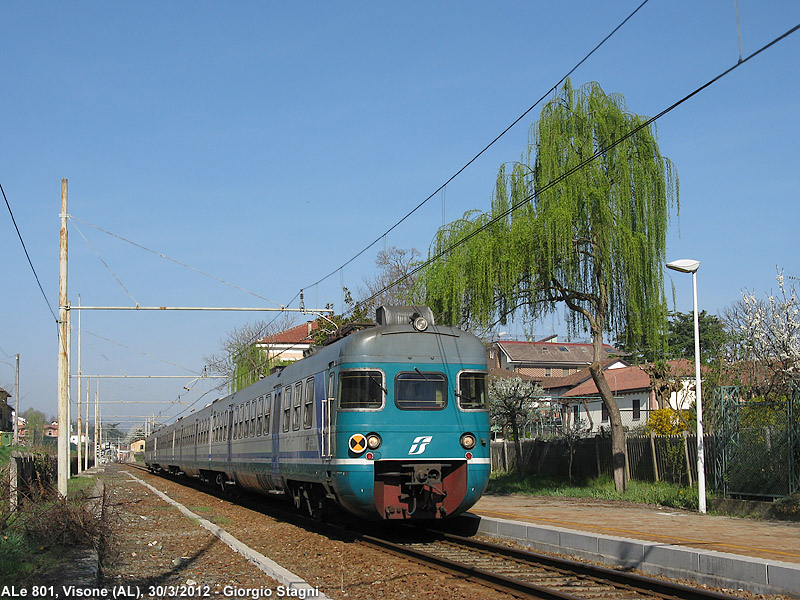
(326,416)
(277,417)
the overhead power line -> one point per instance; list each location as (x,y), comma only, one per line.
(28,256)
(463,168)
(177,262)
(485,148)
(576,168)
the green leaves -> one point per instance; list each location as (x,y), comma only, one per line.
(594,239)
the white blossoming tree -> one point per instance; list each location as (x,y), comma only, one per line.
(512,404)
(767,336)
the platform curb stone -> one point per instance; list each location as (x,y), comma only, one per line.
(708,567)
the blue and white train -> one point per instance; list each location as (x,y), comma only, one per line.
(389,422)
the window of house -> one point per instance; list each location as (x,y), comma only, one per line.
(637,409)
(603,413)
(308,407)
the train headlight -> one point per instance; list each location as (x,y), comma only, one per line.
(468,441)
(374,441)
(420,323)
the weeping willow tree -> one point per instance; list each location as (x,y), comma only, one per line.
(560,232)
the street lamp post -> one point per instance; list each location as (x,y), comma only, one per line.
(687,265)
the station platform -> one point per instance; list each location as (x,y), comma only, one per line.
(761,556)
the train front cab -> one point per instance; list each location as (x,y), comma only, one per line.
(412,443)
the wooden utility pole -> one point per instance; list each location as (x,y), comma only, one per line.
(63,351)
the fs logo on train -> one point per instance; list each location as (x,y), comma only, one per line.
(420,443)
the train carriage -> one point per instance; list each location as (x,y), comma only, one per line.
(389,422)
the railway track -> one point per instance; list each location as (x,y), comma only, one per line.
(518,572)
(531,574)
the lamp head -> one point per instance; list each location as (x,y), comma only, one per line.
(684,265)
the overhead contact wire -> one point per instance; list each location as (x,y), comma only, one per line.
(577,167)
(28,256)
(489,145)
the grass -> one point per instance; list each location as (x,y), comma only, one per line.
(82,484)
(22,558)
(660,493)
(205,510)
(5,453)
(33,538)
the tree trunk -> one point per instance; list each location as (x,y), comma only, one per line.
(618,445)
(520,466)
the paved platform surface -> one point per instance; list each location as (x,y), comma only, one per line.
(776,540)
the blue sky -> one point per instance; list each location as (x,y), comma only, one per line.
(267,143)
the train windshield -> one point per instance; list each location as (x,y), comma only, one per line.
(472,393)
(361,389)
(420,391)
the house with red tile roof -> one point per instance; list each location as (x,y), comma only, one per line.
(543,359)
(633,389)
(290,344)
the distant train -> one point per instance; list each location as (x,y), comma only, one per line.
(389,422)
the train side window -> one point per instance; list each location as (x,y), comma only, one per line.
(242,422)
(472,392)
(308,407)
(287,407)
(361,389)
(260,415)
(331,385)
(267,402)
(236,423)
(415,390)
(298,401)
(247,419)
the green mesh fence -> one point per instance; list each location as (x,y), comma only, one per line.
(757,444)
